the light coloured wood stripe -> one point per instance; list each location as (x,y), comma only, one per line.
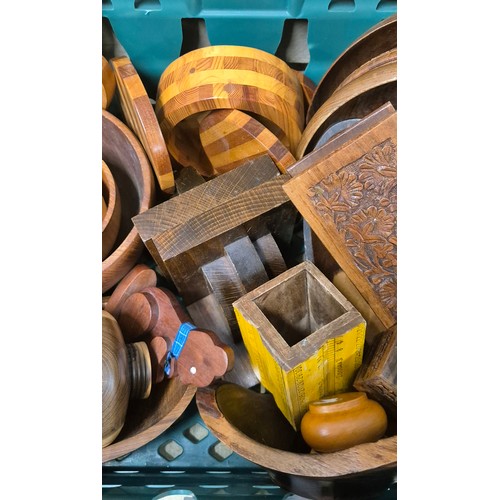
(247,139)
(227,78)
(220,64)
(375,78)
(258,101)
(141,117)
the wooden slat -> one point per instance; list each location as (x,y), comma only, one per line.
(141,118)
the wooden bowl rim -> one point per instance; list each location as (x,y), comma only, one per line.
(132,242)
(368,456)
(315,103)
(131,443)
(111,203)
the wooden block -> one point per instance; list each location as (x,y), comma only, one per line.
(378,374)
(347,194)
(304,339)
(216,242)
(230,137)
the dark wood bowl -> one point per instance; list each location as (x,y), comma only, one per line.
(133,175)
(252,425)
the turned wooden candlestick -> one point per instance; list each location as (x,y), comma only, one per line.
(126,374)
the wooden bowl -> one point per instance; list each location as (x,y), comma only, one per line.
(228,77)
(380,38)
(132,173)
(252,425)
(148,418)
(111,219)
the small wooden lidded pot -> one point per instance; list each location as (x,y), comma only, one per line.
(339,422)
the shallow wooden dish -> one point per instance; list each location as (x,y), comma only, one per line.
(132,172)
(251,425)
(148,418)
(111,219)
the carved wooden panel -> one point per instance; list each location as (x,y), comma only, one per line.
(347,194)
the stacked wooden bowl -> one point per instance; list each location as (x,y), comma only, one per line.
(131,172)
(360,80)
(227,77)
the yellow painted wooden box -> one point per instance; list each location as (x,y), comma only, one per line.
(304,338)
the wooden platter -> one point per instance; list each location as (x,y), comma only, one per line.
(230,137)
(380,38)
(229,77)
(141,118)
(132,172)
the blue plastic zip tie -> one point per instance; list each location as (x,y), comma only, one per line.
(179,343)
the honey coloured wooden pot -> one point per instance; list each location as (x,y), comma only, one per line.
(132,172)
(341,421)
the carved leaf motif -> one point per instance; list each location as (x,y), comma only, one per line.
(360,199)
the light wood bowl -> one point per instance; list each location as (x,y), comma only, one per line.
(133,175)
(251,425)
(111,219)
(108,83)
(227,77)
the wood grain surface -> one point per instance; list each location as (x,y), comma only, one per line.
(108,83)
(230,77)
(132,172)
(231,137)
(308,89)
(236,433)
(140,117)
(347,194)
(380,38)
(378,374)
(372,79)
(112,218)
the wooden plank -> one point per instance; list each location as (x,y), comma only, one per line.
(221,218)
(347,194)
(179,209)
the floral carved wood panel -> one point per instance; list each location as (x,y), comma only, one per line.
(346,190)
(360,198)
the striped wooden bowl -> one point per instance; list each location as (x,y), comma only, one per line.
(380,38)
(132,173)
(229,77)
(140,117)
(230,137)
